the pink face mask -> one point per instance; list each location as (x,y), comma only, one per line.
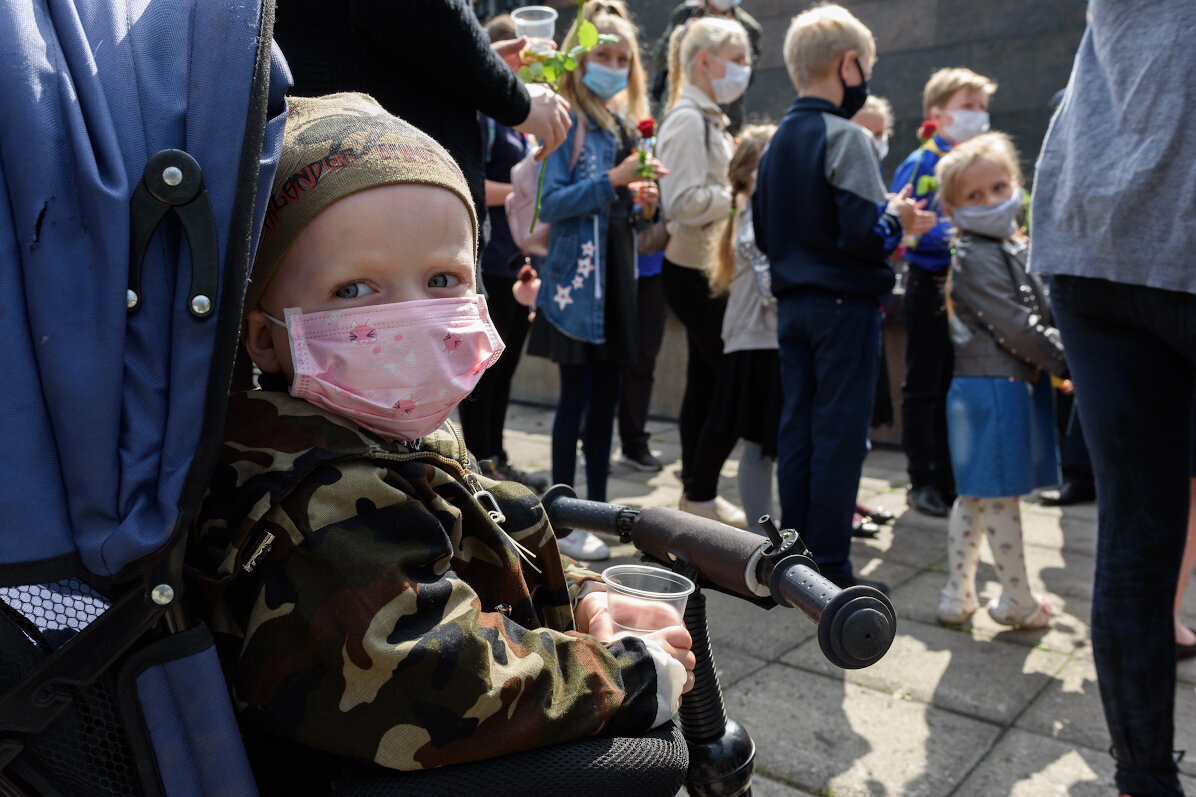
(396,369)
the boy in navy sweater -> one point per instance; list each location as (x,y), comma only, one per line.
(822,216)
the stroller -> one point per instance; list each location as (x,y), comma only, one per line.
(132,216)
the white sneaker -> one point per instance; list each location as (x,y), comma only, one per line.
(583,545)
(719,509)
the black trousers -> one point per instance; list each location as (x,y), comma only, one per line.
(688,295)
(638,377)
(484,414)
(928,369)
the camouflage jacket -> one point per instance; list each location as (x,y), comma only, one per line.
(389,618)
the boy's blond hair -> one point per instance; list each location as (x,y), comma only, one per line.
(994,147)
(818,37)
(944,83)
(882,108)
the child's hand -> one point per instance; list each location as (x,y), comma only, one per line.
(677,642)
(914,219)
(626,172)
(591,616)
(1067,388)
(647,194)
(527,286)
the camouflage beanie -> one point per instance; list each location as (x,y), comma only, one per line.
(332,147)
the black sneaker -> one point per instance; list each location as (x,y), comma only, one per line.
(642,460)
(508,472)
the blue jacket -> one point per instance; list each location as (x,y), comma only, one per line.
(819,206)
(933,249)
(577,204)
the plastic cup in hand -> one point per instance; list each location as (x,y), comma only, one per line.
(643,599)
(538,24)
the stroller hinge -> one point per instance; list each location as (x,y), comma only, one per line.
(173,181)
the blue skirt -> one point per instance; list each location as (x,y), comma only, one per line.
(1002,435)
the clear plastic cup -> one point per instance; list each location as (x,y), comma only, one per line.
(642,599)
(535,22)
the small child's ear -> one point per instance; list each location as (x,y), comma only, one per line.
(259,342)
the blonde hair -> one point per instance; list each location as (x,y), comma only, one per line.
(611,17)
(944,83)
(740,172)
(882,108)
(699,35)
(818,37)
(992,147)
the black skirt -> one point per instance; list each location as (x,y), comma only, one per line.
(747,399)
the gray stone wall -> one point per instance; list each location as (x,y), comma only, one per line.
(1026,46)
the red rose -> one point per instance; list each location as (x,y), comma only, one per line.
(647,127)
(927,129)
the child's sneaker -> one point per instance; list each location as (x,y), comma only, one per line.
(583,546)
(1015,616)
(955,611)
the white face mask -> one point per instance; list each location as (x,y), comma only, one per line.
(965,125)
(732,84)
(998,220)
(882,147)
(723,6)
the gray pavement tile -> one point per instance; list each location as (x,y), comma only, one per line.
(831,737)
(1030,765)
(1070,710)
(902,544)
(1050,527)
(736,624)
(918,600)
(981,678)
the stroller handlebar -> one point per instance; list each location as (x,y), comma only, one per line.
(856,625)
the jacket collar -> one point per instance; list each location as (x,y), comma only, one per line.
(815,105)
(700,98)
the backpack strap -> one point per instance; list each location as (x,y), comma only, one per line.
(685,102)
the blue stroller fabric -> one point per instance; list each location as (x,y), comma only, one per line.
(112,415)
(104,409)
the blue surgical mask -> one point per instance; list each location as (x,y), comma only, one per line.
(998,220)
(604,81)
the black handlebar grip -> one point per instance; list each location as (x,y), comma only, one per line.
(717,551)
(856,626)
(567,512)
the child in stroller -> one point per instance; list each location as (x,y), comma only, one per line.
(398,607)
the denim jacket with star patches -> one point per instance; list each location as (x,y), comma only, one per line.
(577,203)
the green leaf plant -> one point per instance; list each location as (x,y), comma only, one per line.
(549,66)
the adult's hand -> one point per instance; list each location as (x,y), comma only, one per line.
(509,50)
(548,119)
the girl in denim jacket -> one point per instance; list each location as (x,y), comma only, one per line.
(586,312)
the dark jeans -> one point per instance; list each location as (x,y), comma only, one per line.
(928,369)
(638,377)
(589,395)
(1132,356)
(830,353)
(483,415)
(688,295)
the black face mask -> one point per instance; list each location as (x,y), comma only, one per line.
(854,97)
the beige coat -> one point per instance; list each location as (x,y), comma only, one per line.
(696,196)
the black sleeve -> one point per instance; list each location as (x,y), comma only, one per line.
(442,42)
